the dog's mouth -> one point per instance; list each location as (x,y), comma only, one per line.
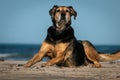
(61,25)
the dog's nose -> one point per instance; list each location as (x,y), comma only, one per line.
(62,16)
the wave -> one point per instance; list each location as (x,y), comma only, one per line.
(5,55)
(15,56)
(18,56)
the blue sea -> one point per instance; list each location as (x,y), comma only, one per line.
(26,51)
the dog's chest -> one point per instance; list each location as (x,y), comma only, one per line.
(54,36)
(58,49)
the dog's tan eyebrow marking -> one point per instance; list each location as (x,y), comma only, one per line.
(64,9)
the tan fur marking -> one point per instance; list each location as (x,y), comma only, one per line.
(60,54)
(110,57)
(91,54)
(45,48)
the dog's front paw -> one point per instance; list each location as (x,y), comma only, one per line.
(45,64)
(28,64)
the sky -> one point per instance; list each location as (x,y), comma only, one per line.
(27,21)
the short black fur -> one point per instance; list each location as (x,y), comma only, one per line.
(54,36)
(78,53)
(67,35)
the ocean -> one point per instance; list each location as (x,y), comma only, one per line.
(26,51)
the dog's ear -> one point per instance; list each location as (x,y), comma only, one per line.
(52,11)
(72,11)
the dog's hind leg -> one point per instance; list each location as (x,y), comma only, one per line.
(91,53)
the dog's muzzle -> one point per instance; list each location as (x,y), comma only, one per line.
(63,16)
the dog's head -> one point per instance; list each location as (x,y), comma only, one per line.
(61,16)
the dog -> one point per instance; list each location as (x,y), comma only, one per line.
(62,47)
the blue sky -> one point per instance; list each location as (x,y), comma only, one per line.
(26,21)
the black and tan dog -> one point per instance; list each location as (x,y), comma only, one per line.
(61,45)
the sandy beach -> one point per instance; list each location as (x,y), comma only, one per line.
(14,70)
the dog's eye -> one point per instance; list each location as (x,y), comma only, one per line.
(58,10)
(67,10)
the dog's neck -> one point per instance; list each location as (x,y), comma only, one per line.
(59,29)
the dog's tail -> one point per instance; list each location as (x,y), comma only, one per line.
(109,57)
(93,54)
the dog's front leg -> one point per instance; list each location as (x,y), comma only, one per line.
(55,60)
(38,57)
(60,50)
(45,48)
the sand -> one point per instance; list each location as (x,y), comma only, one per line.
(13,70)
